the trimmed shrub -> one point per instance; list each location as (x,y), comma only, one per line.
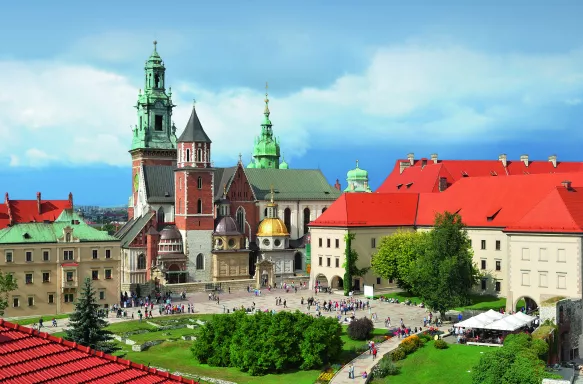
(360,329)
(440,344)
(410,344)
(398,354)
(384,368)
(425,337)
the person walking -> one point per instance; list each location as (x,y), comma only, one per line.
(374,353)
(351,371)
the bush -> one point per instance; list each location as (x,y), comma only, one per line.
(425,337)
(440,344)
(398,354)
(384,368)
(360,329)
(410,344)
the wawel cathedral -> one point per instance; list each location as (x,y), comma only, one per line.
(190,221)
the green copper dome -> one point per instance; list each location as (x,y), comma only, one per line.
(266,149)
(251,164)
(357,180)
(283,164)
(357,173)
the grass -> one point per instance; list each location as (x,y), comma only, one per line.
(438,366)
(174,334)
(349,344)
(47,319)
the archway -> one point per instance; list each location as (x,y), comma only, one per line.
(173,274)
(337,283)
(253,257)
(525,304)
(160,216)
(298,265)
(321,280)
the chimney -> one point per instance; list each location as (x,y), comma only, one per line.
(566,184)
(442,184)
(524,159)
(71,199)
(553,159)
(434,158)
(411,158)
(38,202)
(6,198)
(502,158)
(403,165)
(337,185)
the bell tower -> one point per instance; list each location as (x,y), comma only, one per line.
(266,149)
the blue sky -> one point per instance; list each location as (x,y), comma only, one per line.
(371,82)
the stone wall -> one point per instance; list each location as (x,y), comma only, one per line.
(572,325)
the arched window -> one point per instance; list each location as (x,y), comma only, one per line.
(157,80)
(241,219)
(179,205)
(306,219)
(199,155)
(298,261)
(68,237)
(199,182)
(199,206)
(324,209)
(160,217)
(287,219)
(265,212)
(141,261)
(199,261)
(188,155)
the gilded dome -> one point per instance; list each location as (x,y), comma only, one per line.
(270,227)
(227,226)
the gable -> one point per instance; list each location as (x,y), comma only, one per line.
(239,188)
(223,177)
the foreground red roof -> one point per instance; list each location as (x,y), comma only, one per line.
(526,203)
(31,211)
(28,356)
(424,175)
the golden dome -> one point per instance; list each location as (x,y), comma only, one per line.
(270,227)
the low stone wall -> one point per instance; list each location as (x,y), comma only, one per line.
(197,378)
(146,345)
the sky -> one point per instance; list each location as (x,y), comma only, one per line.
(368,81)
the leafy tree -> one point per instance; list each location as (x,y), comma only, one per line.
(7,285)
(360,329)
(86,327)
(445,272)
(109,228)
(350,268)
(396,256)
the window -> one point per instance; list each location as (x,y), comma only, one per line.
(320,242)
(525,254)
(241,219)
(561,256)
(561,281)
(28,255)
(68,255)
(542,255)
(68,237)
(378,280)
(542,279)
(526,278)
(51,298)
(101,294)
(141,261)
(69,275)
(498,245)
(482,264)
(46,256)
(337,243)
(328,243)
(158,122)
(199,154)
(390,281)
(498,286)
(108,274)
(498,265)
(470,242)
(30,301)
(28,278)
(108,253)
(46,277)
(337,262)
(68,297)
(187,155)
(373,242)
(287,218)
(328,262)
(200,261)
(199,183)
(320,261)
(483,244)
(306,219)
(15,301)
(94,275)
(8,255)
(199,206)
(95,254)
(484,281)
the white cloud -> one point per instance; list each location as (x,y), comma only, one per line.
(79,114)
(573,102)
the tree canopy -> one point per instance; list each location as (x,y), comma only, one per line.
(350,268)
(7,285)
(85,325)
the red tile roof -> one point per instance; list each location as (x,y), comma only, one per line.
(424,174)
(526,203)
(28,356)
(27,211)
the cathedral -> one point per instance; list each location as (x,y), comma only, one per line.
(190,221)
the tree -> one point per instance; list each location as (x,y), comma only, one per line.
(86,327)
(445,272)
(7,284)
(350,268)
(396,256)
(109,228)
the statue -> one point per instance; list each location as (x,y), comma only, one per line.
(246,243)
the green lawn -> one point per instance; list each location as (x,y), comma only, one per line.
(480,302)
(173,334)
(437,366)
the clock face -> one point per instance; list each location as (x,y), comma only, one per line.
(136,181)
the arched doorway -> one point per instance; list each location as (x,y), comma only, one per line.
(525,304)
(321,280)
(253,257)
(337,283)
(173,274)
(298,265)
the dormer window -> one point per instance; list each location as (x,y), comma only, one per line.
(409,185)
(26,235)
(399,186)
(68,237)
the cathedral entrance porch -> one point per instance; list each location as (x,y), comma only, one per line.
(265,274)
(175,276)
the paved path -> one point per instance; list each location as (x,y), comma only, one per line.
(365,362)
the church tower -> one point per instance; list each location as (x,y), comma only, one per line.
(194,197)
(266,149)
(357,180)
(154,137)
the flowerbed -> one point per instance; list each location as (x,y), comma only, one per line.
(328,374)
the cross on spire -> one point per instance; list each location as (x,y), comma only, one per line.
(155,43)
(240,158)
(193,102)
(271,188)
(356,163)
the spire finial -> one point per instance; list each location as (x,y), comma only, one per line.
(266,111)
(225,190)
(240,158)
(155,43)
(356,163)
(271,193)
(194,102)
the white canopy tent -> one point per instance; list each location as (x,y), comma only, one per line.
(481,320)
(511,322)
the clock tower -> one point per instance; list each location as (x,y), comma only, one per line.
(154,137)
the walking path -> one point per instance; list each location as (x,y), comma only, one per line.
(364,363)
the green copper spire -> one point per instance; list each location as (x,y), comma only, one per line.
(266,149)
(155,128)
(357,180)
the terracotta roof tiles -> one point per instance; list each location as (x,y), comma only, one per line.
(27,211)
